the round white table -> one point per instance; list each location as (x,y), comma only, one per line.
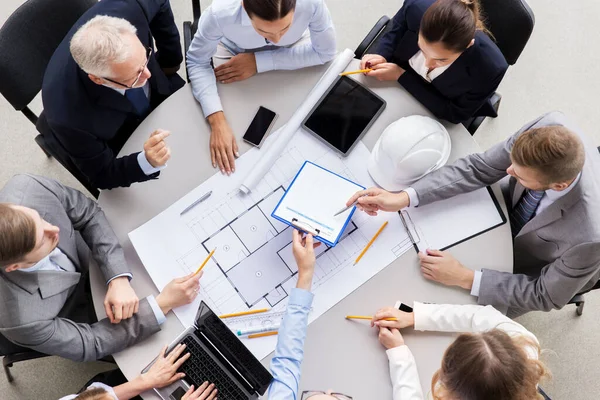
(339,354)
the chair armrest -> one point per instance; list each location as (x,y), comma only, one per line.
(371,36)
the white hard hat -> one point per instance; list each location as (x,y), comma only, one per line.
(407,150)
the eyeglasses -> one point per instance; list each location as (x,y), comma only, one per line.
(307,394)
(149,52)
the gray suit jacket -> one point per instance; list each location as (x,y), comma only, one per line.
(36,306)
(557,253)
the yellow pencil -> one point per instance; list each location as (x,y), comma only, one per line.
(360,71)
(205,261)
(239,314)
(362,253)
(368,317)
(257,335)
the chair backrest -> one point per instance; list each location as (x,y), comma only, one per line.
(28,39)
(511,23)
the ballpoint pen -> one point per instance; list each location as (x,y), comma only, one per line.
(200,200)
(410,236)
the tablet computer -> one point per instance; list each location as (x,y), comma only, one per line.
(344,114)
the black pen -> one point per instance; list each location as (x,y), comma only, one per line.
(410,236)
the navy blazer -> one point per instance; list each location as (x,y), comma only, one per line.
(459,93)
(88,124)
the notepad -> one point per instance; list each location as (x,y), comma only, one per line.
(312,199)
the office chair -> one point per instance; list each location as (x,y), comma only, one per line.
(13,353)
(509,21)
(189,30)
(28,39)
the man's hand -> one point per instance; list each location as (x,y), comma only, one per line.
(304,253)
(240,67)
(164,371)
(120,302)
(371,60)
(375,199)
(179,292)
(441,267)
(386,72)
(223,147)
(390,338)
(157,151)
(204,392)
(404,319)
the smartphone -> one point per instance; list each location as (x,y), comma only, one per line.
(260,126)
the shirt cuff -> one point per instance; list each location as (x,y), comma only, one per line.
(476,283)
(301,297)
(145,165)
(160,316)
(264,61)
(412,195)
(127,274)
(399,353)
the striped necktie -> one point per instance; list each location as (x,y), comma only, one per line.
(525,209)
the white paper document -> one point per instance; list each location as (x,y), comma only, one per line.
(253,266)
(313,199)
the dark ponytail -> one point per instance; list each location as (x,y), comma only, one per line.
(269,10)
(452,22)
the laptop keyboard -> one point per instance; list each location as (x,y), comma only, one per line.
(200,367)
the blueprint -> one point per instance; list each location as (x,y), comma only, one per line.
(253,265)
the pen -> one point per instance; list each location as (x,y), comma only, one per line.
(240,314)
(205,261)
(348,207)
(200,200)
(362,253)
(360,71)
(368,317)
(251,331)
(410,236)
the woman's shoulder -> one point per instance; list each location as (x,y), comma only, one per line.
(414,9)
(486,53)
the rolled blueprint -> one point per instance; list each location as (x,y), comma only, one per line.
(284,134)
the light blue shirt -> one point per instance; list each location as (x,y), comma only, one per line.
(146,167)
(226,21)
(287,362)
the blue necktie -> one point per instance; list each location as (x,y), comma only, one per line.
(525,209)
(138,99)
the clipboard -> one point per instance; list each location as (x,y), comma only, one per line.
(312,199)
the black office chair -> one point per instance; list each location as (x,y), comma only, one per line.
(510,23)
(189,30)
(27,42)
(12,353)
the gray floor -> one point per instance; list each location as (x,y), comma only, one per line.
(556,71)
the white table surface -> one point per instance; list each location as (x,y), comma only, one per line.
(339,354)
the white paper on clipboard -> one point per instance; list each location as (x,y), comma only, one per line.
(312,199)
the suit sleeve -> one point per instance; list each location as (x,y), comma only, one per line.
(88,218)
(558,282)
(96,160)
(471,172)
(387,43)
(85,342)
(164,31)
(455,110)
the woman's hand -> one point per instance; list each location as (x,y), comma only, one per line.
(164,371)
(402,319)
(390,338)
(370,60)
(204,392)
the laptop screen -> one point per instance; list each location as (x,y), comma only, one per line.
(233,349)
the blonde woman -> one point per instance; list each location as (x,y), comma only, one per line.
(495,357)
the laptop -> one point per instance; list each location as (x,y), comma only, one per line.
(219,357)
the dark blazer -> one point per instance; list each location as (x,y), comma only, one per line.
(88,124)
(461,92)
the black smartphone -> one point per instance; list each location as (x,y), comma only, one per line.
(260,126)
(405,308)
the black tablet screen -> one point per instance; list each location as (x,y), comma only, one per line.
(344,113)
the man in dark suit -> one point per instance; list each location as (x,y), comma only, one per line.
(103,80)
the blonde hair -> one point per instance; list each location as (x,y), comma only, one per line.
(489,365)
(555,152)
(93,394)
(100,42)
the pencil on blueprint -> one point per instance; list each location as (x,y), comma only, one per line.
(360,71)
(368,317)
(205,261)
(362,253)
(242,313)
(257,335)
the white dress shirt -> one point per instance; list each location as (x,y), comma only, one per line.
(417,62)
(226,21)
(549,197)
(146,167)
(446,318)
